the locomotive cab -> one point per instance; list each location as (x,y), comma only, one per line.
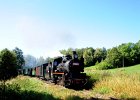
(56,62)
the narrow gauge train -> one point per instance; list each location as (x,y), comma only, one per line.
(66,71)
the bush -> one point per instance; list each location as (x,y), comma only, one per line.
(96,63)
(103,65)
(11,92)
(14,92)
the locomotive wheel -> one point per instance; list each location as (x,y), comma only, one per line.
(54,79)
(61,80)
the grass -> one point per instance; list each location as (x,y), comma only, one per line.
(128,70)
(121,83)
(25,88)
(33,88)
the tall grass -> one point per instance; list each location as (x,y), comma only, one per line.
(30,87)
(120,85)
(117,83)
(25,88)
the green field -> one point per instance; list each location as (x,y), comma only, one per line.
(120,83)
(128,70)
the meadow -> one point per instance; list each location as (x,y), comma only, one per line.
(119,83)
(122,83)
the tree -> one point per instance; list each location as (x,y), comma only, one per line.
(49,59)
(64,52)
(8,67)
(40,60)
(137,46)
(80,52)
(114,57)
(67,52)
(88,56)
(128,53)
(100,54)
(20,58)
(30,61)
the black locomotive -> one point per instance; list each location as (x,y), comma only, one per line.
(67,71)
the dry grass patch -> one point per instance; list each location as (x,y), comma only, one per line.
(120,85)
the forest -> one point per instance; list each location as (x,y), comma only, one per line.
(126,54)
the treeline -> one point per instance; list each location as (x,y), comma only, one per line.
(31,61)
(126,54)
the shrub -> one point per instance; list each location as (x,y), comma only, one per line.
(103,65)
(96,63)
(11,92)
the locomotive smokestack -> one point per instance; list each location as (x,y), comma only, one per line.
(75,56)
(74,52)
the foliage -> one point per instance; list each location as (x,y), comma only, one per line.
(40,60)
(121,83)
(88,56)
(8,67)
(11,92)
(33,88)
(14,91)
(100,54)
(30,61)
(126,54)
(86,53)
(103,65)
(49,59)
(80,52)
(20,58)
(127,70)
(136,53)
(102,84)
(114,57)
(96,63)
(67,52)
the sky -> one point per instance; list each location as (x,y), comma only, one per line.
(43,27)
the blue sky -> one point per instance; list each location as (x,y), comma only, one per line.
(43,27)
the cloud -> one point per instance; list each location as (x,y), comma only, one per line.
(44,37)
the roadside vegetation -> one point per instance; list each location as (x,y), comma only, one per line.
(122,83)
(26,88)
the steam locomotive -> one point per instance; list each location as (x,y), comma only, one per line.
(67,71)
